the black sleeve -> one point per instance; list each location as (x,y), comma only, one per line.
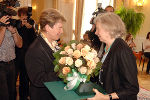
(35,64)
(128,73)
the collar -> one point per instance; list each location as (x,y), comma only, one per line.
(53,45)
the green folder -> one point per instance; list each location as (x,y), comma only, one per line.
(57,89)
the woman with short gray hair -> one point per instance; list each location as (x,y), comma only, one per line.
(118,75)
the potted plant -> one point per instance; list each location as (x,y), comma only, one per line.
(132,19)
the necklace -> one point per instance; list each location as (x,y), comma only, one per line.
(107,50)
(53,45)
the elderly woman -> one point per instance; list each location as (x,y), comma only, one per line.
(39,57)
(118,75)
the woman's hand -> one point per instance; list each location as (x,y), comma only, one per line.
(99,96)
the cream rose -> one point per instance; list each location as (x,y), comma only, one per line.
(70,51)
(91,64)
(69,61)
(66,48)
(84,52)
(87,47)
(63,52)
(62,60)
(66,70)
(82,70)
(73,45)
(96,60)
(78,63)
(89,56)
(79,46)
(94,52)
(89,71)
(76,54)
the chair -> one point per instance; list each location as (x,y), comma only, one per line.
(137,55)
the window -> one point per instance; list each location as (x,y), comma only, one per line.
(105,3)
(89,8)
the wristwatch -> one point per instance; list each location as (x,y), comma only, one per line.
(110,96)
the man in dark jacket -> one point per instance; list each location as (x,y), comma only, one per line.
(26,30)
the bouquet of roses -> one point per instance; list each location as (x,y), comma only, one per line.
(75,63)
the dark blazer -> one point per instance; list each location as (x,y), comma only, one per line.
(119,71)
(28,36)
(40,69)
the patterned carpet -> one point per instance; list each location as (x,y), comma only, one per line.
(144,94)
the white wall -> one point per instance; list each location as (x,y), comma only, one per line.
(141,35)
(48,4)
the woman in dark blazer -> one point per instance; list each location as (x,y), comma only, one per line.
(118,75)
(39,57)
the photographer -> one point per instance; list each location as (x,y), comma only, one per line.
(96,43)
(26,30)
(9,37)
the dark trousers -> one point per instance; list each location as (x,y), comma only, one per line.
(23,80)
(147,54)
(7,80)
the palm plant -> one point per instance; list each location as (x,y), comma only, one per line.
(132,19)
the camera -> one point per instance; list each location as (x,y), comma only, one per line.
(98,10)
(6,10)
(29,14)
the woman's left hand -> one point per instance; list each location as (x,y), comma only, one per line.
(99,96)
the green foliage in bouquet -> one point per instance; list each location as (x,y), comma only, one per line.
(76,57)
(132,19)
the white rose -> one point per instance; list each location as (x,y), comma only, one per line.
(70,51)
(87,47)
(63,52)
(69,61)
(73,45)
(62,60)
(82,70)
(78,63)
(76,54)
(91,64)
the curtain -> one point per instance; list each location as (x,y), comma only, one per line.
(66,7)
(78,18)
(25,3)
(119,3)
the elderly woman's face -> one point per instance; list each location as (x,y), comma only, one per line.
(56,30)
(102,33)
